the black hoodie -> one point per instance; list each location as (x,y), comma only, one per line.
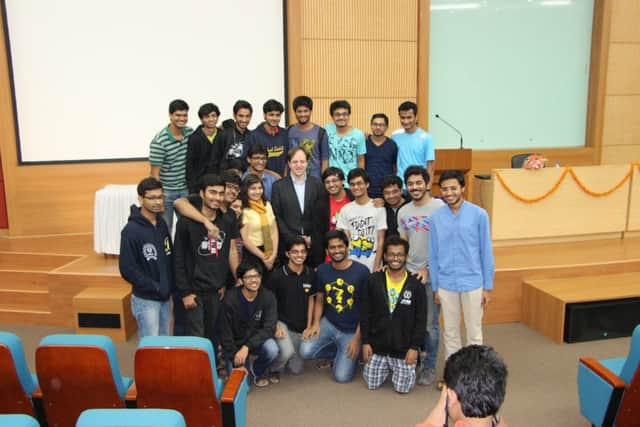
(146,259)
(200,157)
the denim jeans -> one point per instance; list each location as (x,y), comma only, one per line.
(266,354)
(288,355)
(331,344)
(171,196)
(153,317)
(432,336)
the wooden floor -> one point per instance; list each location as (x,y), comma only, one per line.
(62,266)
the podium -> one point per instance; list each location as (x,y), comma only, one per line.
(456,158)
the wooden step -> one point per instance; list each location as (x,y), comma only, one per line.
(24,280)
(32,317)
(33,261)
(20,299)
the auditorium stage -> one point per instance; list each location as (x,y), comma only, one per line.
(40,275)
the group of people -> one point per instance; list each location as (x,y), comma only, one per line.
(278,258)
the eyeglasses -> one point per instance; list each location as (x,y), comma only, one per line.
(332,181)
(395,256)
(258,159)
(251,277)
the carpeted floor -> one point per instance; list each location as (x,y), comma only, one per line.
(541,388)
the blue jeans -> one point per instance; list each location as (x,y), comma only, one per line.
(432,337)
(331,344)
(171,196)
(153,317)
(267,353)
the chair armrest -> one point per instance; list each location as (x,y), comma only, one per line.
(234,399)
(131,396)
(604,373)
(233,385)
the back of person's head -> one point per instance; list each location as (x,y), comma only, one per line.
(357,173)
(272,105)
(408,105)
(208,108)
(178,105)
(210,180)
(228,124)
(240,104)
(336,234)
(390,181)
(232,165)
(332,171)
(148,184)
(416,170)
(302,101)
(341,103)
(478,375)
(452,174)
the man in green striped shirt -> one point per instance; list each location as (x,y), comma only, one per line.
(168,157)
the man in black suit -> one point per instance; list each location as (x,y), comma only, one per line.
(299,203)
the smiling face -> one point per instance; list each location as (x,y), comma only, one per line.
(303,114)
(209,121)
(395,257)
(255,191)
(337,250)
(152,201)
(273,118)
(257,162)
(333,185)
(251,280)
(298,164)
(179,118)
(231,191)
(213,196)
(358,187)
(416,186)
(242,118)
(392,196)
(451,192)
(297,254)
(378,126)
(341,117)
(408,120)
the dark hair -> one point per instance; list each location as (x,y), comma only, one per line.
(247,182)
(391,180)
(229,177)
(242,104)
(302,101)
(452,174)
(293,152)
(395,240)
(228,164)
(336,234)
(408,105)
(272,105)
(357,172)
(293,241)
(478,375)
(380,116)
(247,265)
(210,180)
(148,184)
(256,148)
(178,105)
(416,170)
(207,109)
(332,171)
(228,124)
(339,104)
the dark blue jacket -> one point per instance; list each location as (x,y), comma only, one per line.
(146,257)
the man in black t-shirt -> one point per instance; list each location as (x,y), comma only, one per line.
(292,284)
(203,262)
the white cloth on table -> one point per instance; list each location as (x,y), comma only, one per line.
(111,212)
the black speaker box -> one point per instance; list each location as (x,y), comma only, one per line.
(588,321)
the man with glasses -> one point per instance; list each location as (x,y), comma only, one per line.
(146,261)
(257,159)
(382,154)
(347,145)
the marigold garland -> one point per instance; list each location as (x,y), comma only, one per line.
(565,172)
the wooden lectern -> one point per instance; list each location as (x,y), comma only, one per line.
(457,158)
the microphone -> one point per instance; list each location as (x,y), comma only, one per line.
(452,127)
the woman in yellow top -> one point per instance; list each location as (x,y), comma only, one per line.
(259,228)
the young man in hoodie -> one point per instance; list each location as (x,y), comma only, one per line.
(200,158)
(392,321)
(274,138)
(234,141)
(202,262)
(146,261)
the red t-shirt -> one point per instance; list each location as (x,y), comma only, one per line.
(334,211)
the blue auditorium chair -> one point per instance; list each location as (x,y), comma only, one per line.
(180,373)
(608,388)
(16,382)
(130,418)
(17,420)
(78,372)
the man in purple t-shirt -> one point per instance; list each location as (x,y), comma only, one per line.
(308,135)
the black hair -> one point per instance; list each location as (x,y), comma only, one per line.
(210,180)
(293,152)
(358,172)
(478,375)
(382,116)
(408,105)
(336,234)
(302,101)
(256,148)
(293,241)
(452,174)
(228,124)
(148,184)
(229,177)
(246,266)
(395,240)
(332,171)
(416,170)
(339,104)
(247,182)
(178,105)
(228,164)
(242,104)
(391,180)
(272,105)
(208,108)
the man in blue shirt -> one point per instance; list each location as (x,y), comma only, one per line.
(415,146)
(257,159)
(461,263)
(382,154)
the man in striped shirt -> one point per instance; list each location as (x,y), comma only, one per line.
(168,157)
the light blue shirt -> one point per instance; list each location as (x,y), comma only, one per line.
(299,187)
(267,183)
(344,150)
(415,148)
(460,251)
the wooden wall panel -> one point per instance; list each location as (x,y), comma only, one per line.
(626,15)
(623,75)
(622,120)
(620,154)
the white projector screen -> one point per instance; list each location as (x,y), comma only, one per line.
(93,79)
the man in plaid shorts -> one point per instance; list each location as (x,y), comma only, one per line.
(392,321)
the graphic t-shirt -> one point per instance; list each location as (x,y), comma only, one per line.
(342,290)
(363,223)
(344,150)
(393,290)
(414,222)
(317,150)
